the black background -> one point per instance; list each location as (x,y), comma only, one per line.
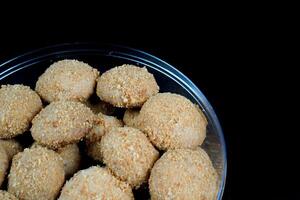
(226,54)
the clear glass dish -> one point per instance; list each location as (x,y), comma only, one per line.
(26,69)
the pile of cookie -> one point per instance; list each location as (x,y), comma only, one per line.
(156,142)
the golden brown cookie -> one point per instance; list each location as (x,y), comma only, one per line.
(95,183)
(103,124)
(12,147)
(101,107)
(183,174)
(4,162)
(70,155)
(172,121)
(126,86)
(4,195)
(67,80)
(128,153)
(36,173)
(62,123)
(18,105)
(130,117)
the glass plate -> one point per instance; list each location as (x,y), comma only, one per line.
(28,67)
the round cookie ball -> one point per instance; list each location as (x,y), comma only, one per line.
(130,117)
(183,174)
(172,121)
(18,105)
(12,147)
(101,106)
(128,153)
(4,162)
(103,124)
(62,123)
(36,173)
(70,155)
(126,86)
(6,196)
(67,80)
(95,183)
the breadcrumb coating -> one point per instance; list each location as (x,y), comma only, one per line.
(70,155)
(172,121)
(95,183)
(103,107)
(35,174)
(12,147)
(183,174)
(103,124)
(62,123)
(4,195)
(67,80)
(167,121)
(18,105)
(130,117)
(128,153)
(4,162)
(126,86)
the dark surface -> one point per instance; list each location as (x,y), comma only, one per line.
(221,55)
